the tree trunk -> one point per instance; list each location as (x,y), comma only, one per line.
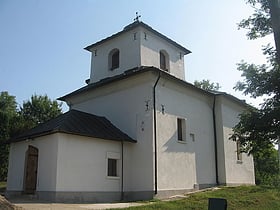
(279,152)
(274,6)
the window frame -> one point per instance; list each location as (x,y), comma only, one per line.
(112,167)
(113,173)
(181,130)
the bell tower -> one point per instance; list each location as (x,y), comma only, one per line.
(136,45)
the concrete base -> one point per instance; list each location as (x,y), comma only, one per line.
(79,197)
(237,184)
(104,197)
(82,197)
(168,193)
(203,186)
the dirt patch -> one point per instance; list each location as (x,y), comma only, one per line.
(6,205)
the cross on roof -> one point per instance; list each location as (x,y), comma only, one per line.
(137,17)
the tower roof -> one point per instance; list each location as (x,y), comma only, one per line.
(134,25)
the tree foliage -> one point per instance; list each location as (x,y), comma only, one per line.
(207,85)
(259,129)
(259,23)
(266,167)
(13,121)
(39,109)
(8,111)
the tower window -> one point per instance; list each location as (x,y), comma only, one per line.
(163,60)
(114,59)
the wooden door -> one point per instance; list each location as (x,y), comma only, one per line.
(31,170)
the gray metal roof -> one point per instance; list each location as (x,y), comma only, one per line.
(142,69)
(133,26)
(77,123)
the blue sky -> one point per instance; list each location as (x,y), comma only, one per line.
(42,41)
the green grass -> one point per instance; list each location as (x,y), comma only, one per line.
(244,197)
(3,186)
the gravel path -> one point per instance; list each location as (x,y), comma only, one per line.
(62,206)
(6,205)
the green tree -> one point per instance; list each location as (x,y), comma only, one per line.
(8,111)
(259,129)
(207,85)
(266,167)
(39,109)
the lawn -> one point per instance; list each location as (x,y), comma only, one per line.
(2,186)
(244,197)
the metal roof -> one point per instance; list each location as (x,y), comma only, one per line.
(77,123)
(133,26)
(140,70)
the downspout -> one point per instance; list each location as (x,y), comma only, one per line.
(215,140)
(122,188)
(155,132)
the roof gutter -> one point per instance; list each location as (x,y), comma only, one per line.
(155,132)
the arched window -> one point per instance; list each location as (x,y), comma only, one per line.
(163,60)
(114,59)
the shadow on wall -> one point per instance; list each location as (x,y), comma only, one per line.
(174,145)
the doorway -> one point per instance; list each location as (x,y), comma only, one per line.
(31,170)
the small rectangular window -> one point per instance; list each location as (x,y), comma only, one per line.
(181,129)
(112,167)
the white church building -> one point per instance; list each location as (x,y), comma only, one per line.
(136,131)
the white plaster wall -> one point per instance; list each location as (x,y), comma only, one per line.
(46,175)
(150,48)
(16,166)
(129,55)
(82,164)
(236,172)
(124,104)
(181,165)
(176,160)
(47,162)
